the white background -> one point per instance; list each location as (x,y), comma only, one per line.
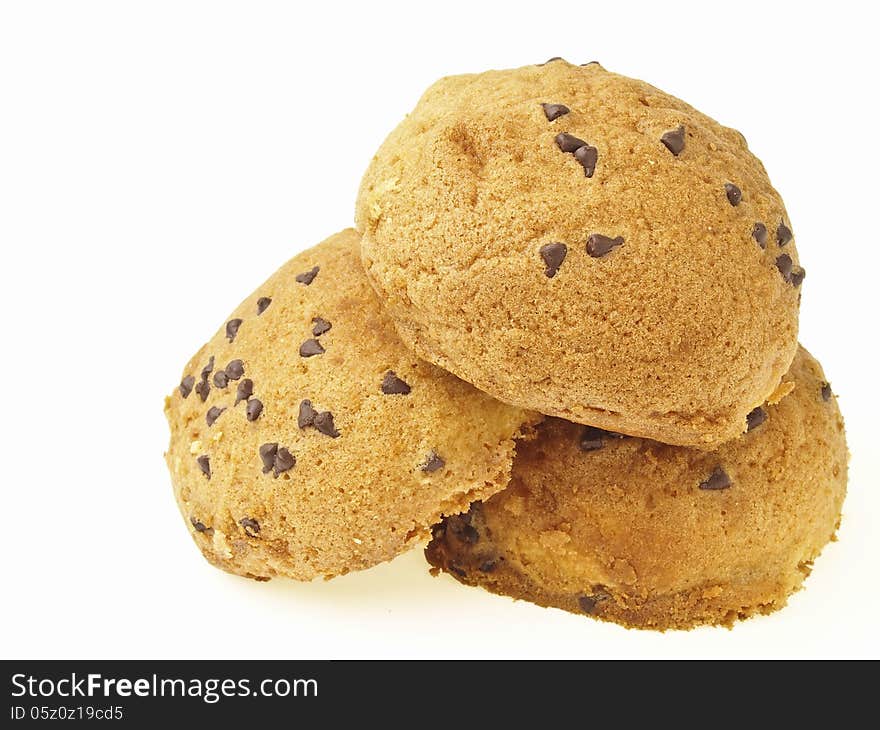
(158,160)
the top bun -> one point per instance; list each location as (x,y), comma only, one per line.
(582,244)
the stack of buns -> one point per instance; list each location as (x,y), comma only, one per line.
(560,348)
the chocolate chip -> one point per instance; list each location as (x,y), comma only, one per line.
(321,326)
(433,462)
(487,566)
(205,465)
(203,388)
(306,415)
(583,153)
(221,379)
(250,525)
(284,460)
(213,414)
(308,277)
(755,418)
(254,409)
(310,347)
(186,385)
(454,567)
(826,391)
(588,157)
(783,263)
(235,369)
(673,140)
(568,142)
(734,194)
(392,385)
(267,456)
(201,526)
(592,438)
(718,479)
(263,304)
(797,276)
(783,234)
(759,233)
(244,391)
(324,423)
(553,255)
(587,604)
(599,245)
(554,111)
(460,526)
(276,459)
(464,532)
(232,328)
(551,60)
(206,371)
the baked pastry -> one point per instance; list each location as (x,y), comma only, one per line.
(582,244)
(307,441)
(662,537)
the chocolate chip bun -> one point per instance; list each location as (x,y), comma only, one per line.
(662,537)
(307,441)
(582,244)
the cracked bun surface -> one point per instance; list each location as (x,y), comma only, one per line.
(582,244)
(653,536)
(307,441)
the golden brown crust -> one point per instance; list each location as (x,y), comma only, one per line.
(625,532)
(361,490)
(675,335)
